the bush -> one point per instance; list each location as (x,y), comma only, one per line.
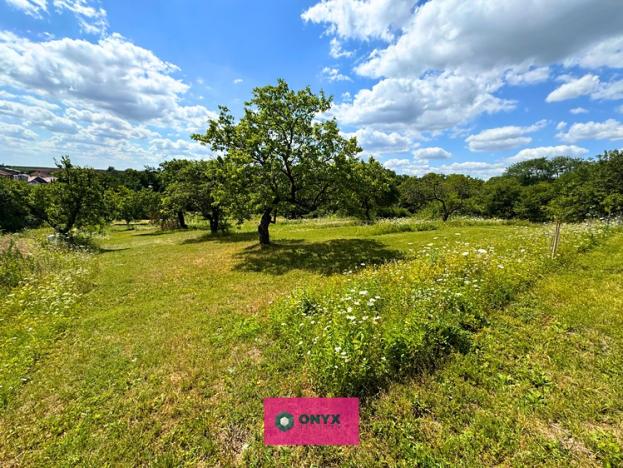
(362,332)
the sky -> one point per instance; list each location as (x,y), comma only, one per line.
(449,86)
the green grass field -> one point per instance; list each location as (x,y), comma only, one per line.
(165,349)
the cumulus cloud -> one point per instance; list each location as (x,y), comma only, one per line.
(361,19)
(336,51)
(548,152)
(111,99)
(588,85)
(92,18)
(33,8)
(376,141)
(112,74)
(574,88)
(610,129)
(578,110)
(502,138)
(334,74)
(480,169)
(433,152)
(481,35)
(432,103)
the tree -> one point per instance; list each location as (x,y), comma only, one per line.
(207,187)
(132,205)
(499,196)
(74,200)
(451,194)
(290,158)
(14,212)
(371,187)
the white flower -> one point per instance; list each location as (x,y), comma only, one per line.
(501,266)
(363,292)
(338,349)
(465,254)
(481,251)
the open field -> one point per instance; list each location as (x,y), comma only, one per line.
(166,347)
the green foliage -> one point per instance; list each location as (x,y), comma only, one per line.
(371,187)
(291,161)
(15,214)
(359,334)
(74,201)
(450,194)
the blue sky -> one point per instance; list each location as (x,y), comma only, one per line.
(441,85)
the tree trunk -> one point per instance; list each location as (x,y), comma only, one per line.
(214,222)
(262,228)
(445,216)
(180,220)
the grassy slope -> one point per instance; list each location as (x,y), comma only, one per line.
(165,362)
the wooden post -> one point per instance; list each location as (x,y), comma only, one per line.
(556,238)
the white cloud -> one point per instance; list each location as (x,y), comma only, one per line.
(408,166)
(620,109)
(91,19)
(361,19)
(561,125)
(502,138)
(611,129)
(588,85)
(376,141)
(102,102)
(428,104)
(15,131)
(608,53)
(483,35)
(334,74)
(113,74)
(336,51)
(578,110)
(609,91)
(574,88)
(238,81)
(548,152)
(431,153)
(518,77)
(480,169)
(32,8)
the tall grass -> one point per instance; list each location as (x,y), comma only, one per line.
(40,284)
(361,332)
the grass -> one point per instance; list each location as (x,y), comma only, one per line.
(166,353)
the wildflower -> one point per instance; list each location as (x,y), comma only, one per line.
(481,251)
(363,292)
(465,254)
(501,266)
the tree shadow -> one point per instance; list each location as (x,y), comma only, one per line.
(326,258)
(222,237)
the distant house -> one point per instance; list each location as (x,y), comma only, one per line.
(8,173)
(33,180)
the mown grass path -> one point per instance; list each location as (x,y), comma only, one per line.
(165,363)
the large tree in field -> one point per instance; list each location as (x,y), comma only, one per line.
(451,194)
(75,200)
(289,157)
(371,188)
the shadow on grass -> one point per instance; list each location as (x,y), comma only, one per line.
(326,258)
(227,237)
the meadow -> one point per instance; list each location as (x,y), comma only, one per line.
(466,341)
